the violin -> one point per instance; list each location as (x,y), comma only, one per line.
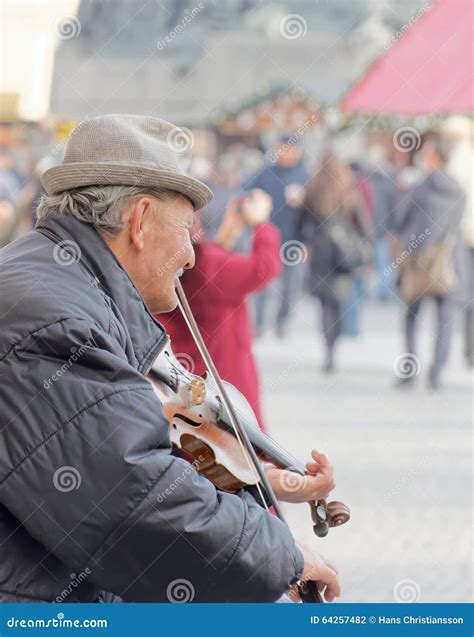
(213,425)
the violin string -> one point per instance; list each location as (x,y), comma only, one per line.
(180,371)
(183,373)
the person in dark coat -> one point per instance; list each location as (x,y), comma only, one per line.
(283,178)
(333,225)
(431,214)
(351,307)
(89,482)
(381,174)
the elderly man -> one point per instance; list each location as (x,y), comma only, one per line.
(94,505)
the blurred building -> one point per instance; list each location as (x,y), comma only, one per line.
(191,64)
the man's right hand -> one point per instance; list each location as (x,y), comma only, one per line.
(318,569)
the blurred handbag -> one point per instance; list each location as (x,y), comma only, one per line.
(430,271)
(350,249)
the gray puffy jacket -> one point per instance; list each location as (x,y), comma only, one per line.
(86,464)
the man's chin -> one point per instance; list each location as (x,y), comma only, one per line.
(166,303)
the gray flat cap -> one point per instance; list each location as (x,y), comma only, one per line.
(127,150)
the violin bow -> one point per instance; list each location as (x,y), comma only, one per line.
(308,591)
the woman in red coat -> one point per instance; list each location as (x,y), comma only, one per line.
(217,288)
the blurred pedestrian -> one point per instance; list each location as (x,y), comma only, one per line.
(383,178)
(224,190)
(10,187)
(217,288)
(428,228)
(283,178)
(351,307)
(334,227)
(460,130)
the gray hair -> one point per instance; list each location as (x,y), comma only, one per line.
(100,206)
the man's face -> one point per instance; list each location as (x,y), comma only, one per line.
(155,247)
(169,251)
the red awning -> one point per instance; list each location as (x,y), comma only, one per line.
(427,70)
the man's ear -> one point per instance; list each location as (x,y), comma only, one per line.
(141,210)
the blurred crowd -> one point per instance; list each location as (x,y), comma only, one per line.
(282,226)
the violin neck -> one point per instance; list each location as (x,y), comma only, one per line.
(268,449)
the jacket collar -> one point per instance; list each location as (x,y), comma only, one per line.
(147,335)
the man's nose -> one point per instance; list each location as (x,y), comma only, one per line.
(191,259)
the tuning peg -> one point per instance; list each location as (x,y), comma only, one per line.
(319,517)
(338,513)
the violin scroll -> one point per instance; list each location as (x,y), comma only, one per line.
(328,515)
(338,513)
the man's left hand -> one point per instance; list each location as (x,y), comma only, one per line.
(292,487)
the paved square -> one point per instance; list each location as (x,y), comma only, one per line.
(402,458)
